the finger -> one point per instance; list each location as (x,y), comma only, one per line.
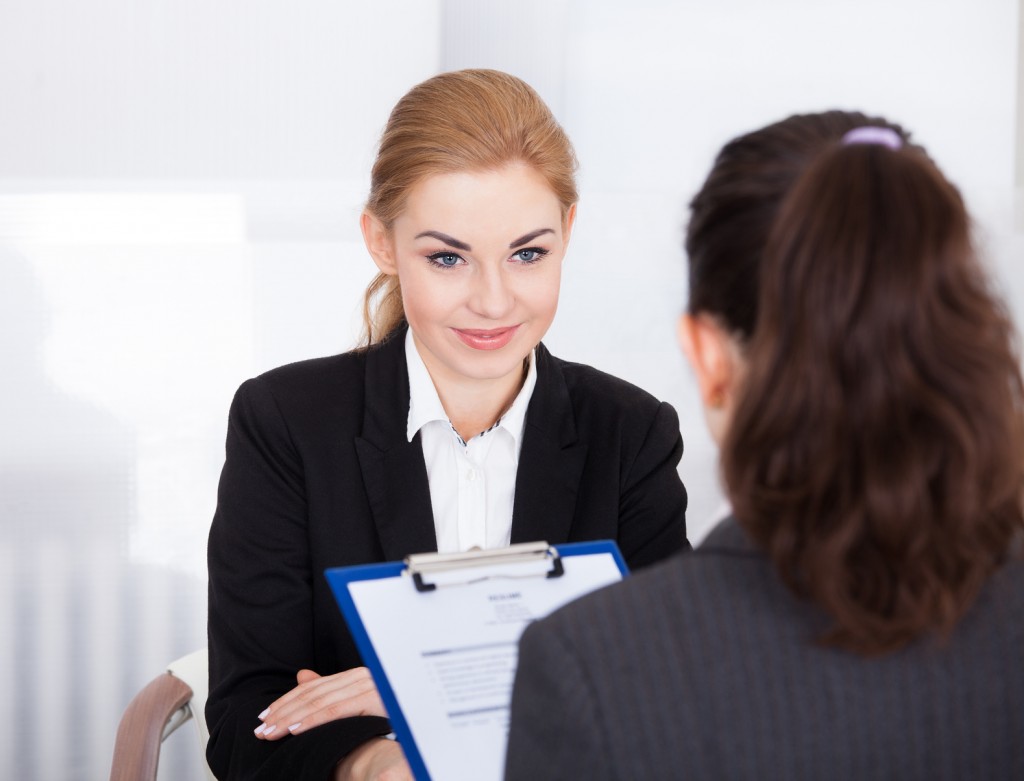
(306,689)
(334,702)
(268,725)
(348,683)
(367,703)
(320,701)
(313,713)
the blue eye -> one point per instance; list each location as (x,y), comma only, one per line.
(530,255)
(444,259)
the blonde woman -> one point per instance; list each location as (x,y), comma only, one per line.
(452,427)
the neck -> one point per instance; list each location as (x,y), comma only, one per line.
(473,406)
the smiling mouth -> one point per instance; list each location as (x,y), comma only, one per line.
(486,339)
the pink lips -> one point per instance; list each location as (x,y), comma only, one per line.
(489,339)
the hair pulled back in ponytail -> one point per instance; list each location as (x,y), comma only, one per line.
(877,449)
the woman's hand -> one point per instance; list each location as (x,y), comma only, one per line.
(377,760)
(318,699)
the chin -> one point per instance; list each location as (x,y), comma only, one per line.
(490,368)
(490,364)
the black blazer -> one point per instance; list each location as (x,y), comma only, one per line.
(319,474)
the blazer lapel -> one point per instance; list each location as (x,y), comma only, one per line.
(550,460)
(394,473)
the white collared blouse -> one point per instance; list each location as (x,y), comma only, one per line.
(472,484)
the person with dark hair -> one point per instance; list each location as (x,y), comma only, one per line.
(861,614)
(451,427)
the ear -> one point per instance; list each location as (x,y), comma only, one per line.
(570,220)
(709,350)
(379,243)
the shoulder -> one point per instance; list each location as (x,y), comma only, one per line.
(590,386)
(678,592)
(312,378)
(317,394)
(288,406)
(1004,593)
(312,386)
(332,380)
(604,403)
(726,592)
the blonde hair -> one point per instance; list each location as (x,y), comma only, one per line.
(469,120)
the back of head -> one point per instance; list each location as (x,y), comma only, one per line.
(469,120)
(877,450)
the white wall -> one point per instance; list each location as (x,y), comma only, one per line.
(179,188)
(179,184)
(184,89)
(653,89)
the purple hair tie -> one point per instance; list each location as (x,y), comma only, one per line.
(872,134)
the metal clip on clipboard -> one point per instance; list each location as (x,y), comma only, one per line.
(422,565)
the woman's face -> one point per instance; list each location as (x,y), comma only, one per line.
(479,258)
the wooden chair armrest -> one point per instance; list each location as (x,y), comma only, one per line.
(137,746)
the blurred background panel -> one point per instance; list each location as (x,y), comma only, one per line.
(245,89)
(179,189)
(180,184)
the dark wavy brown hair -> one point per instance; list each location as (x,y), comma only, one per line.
(877,448)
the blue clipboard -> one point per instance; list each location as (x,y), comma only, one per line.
(340,578)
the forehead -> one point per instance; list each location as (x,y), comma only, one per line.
(514,200)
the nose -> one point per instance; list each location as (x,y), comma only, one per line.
(491,296)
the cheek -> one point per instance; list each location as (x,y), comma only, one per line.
(429,298)
(543,292)
(422,295)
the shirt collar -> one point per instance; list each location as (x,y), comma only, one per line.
(425,405)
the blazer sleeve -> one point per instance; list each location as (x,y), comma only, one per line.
(543,743)
(652,499)
(260,620)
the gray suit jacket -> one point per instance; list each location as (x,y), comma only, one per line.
(705,667)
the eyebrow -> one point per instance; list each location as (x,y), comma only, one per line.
(525,239)
(529,237)
(446,239)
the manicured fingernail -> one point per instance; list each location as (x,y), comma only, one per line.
(270,729)
(295,726)
(259,729)
(264,714)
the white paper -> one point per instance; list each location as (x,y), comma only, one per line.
(450,654)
